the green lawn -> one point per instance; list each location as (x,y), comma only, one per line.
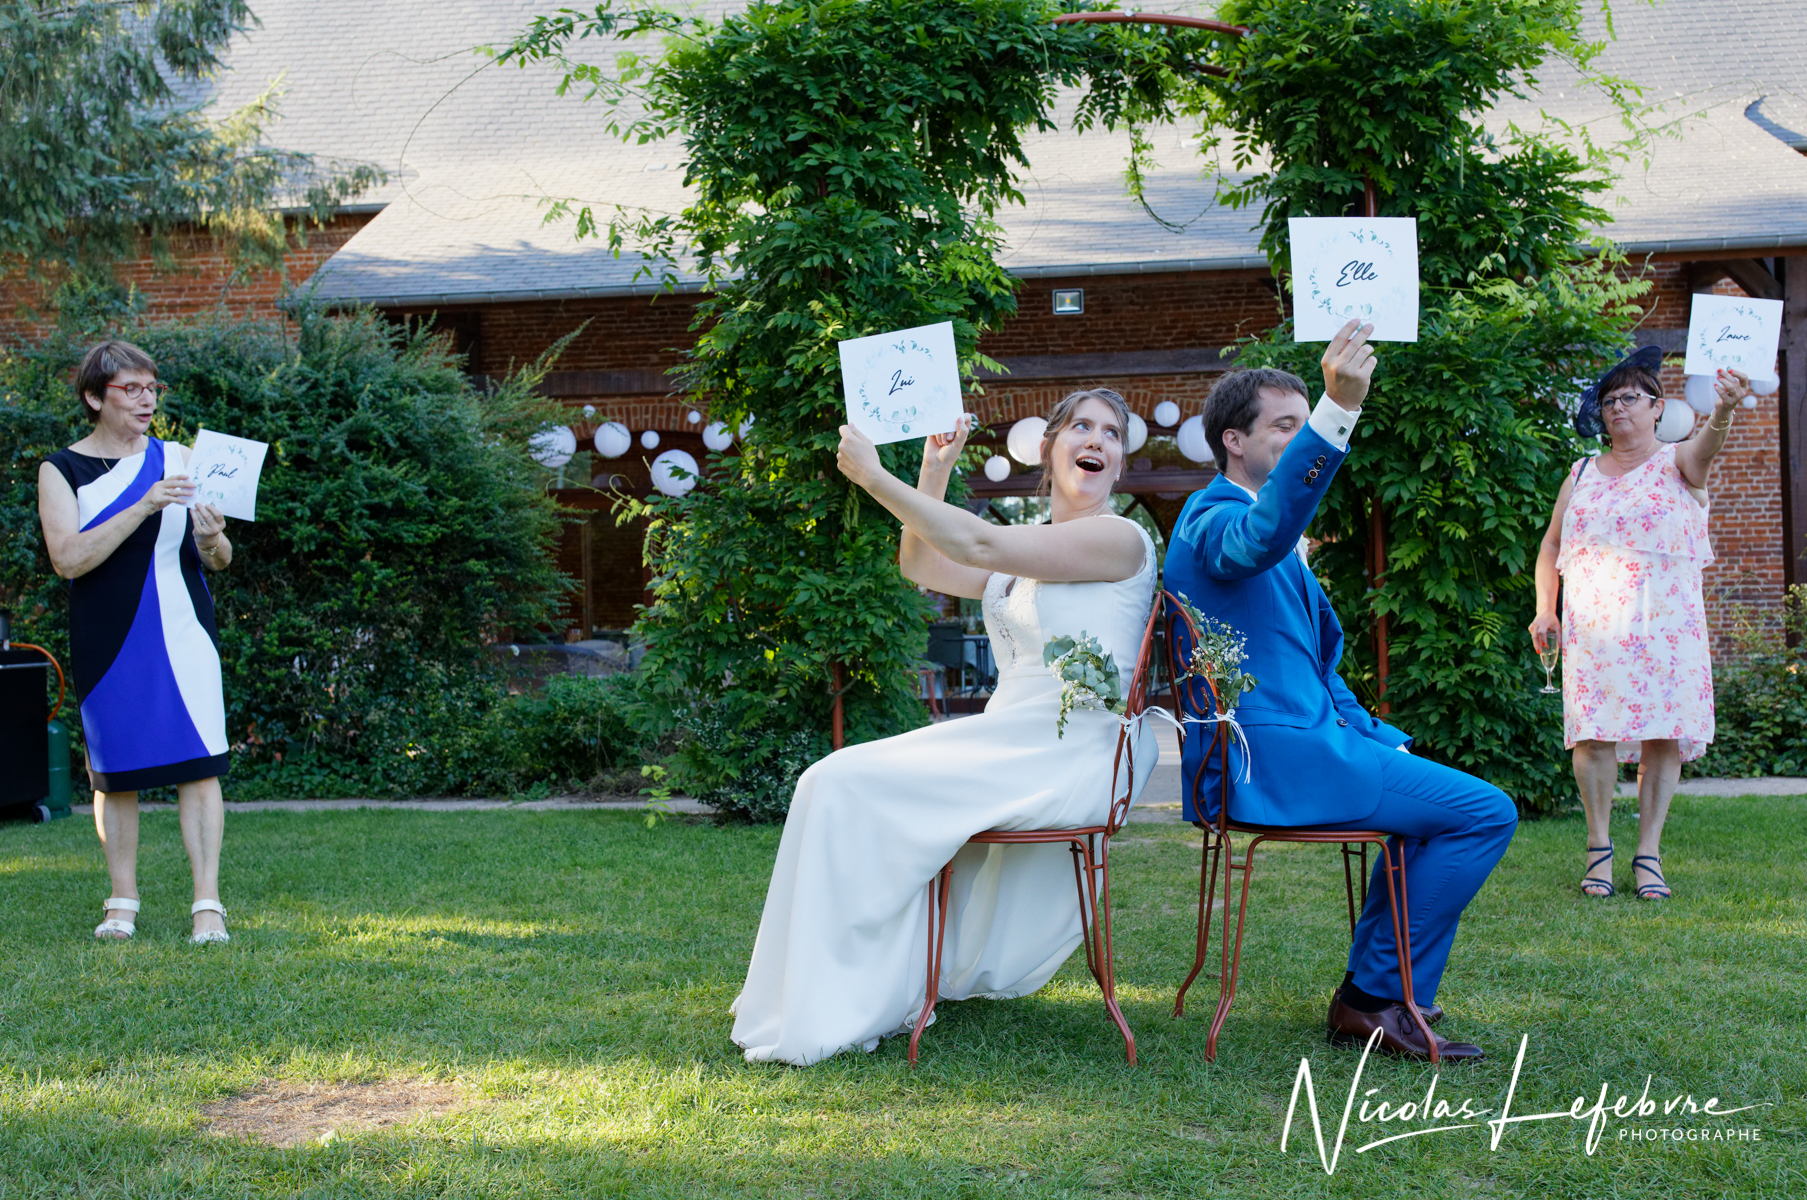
(570,974)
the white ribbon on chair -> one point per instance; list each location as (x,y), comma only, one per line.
(1180,723)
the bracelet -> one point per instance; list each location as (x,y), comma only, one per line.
(1721,428)
(209,551)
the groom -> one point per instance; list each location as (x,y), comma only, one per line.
(1316,757)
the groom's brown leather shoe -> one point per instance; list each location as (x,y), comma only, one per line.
(1399,1034)
(1432,1015)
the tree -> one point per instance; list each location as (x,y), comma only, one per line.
(1464,441)
(847,157)
(102,145)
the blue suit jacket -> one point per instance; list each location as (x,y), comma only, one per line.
(1311,761)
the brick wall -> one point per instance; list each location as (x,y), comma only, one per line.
(202,283)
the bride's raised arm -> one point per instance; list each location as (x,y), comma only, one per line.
(954,551)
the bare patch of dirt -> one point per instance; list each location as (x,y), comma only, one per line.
(288,1114)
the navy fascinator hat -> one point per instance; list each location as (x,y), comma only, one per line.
(1587,416)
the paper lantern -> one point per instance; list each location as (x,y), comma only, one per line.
(650,439)
(1698,393)
(1676,423)
(716,436)
(1167,413)
(613,439)
(1191,439)
(694,417)
(997,468)
(666,470)
(589,410)
(1762,385)
(1024,441)
(553,446)
(745,426)
(1137,435)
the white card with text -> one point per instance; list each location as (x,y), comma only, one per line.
(904,384)
(1361,268)
(1734,333)
(224,470)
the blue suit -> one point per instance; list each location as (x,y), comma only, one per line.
(1316,756)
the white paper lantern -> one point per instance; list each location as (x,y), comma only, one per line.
(613,439)
(694,417)
(1167,413)
(650,439)
(1697,392)
(1024,441)
(997,468)
(1763,385)
(716,436)
(1191,439)
(1137,436)
(1676,423)
(665,472)
(589,410)
(553,447)
(745,426)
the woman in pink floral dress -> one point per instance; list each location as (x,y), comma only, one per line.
(1629,539)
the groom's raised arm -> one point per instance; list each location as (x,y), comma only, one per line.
(1238,541)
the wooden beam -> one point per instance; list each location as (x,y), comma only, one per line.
(1751,274)
(1793,404)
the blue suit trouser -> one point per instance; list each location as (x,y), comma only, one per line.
(1453,828)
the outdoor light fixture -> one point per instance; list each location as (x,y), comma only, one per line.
(665,472)
(1024,441)
(1069,301)
(1191,439)
(613,439)
(716,436)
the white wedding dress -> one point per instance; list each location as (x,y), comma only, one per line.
(840,960)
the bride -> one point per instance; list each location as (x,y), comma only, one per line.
(840,957)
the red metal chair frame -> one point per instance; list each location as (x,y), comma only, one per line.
(1219,846)
(1090,845)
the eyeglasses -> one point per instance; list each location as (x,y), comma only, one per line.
(1624,400)
(134,390)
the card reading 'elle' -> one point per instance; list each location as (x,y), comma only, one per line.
(904,384)
(225,470)
(1734,333)
(1360,268)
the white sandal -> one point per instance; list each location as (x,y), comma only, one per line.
(113,929)
(212,936)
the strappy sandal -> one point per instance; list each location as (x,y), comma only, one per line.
(115,929)
(1651,891)
(213,937)
(1599,889)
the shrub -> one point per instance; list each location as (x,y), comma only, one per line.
(401,524)
(1760,696)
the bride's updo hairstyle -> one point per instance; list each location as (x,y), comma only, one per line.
(1062,416)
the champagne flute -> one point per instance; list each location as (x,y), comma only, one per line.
(1547,654)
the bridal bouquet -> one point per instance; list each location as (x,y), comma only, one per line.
(1218,656)
(1088,676)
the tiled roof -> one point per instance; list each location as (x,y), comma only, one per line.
(475,150)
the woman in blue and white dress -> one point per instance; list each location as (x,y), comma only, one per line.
(141,628)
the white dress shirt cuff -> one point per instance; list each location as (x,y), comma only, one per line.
(1332,422)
